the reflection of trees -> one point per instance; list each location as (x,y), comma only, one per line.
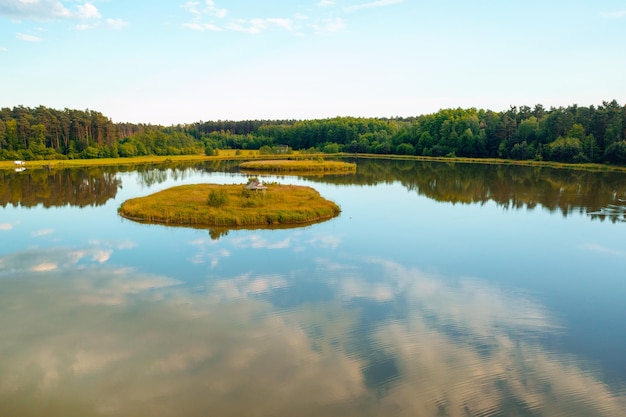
(511,186)
(92,186)
(75,187)
(156,174)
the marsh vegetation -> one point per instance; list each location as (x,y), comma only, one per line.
(306,165)
(230,205)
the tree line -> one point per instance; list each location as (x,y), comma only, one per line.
(574,134)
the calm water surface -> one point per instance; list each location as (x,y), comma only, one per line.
(440,290)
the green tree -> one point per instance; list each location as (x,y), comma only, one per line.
(528,130)
(330,148)
(565,150)
(405,149)
(616,153)
(11,134)
(3,138)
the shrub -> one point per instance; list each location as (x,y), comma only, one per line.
(217,198)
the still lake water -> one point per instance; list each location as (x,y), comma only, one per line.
(440,290)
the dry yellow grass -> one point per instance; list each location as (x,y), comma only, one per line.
(150,159)
(308,165)
(189,205)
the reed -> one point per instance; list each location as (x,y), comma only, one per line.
(191,205)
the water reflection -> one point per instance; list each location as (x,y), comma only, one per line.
(510,186)
(74,187)
(374,338)
(602,195)
(91,186)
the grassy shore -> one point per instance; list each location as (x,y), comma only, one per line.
(492,161)
(210,205)
(138,160)
(231,154)
(308,165)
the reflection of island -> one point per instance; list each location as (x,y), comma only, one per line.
(511,186)
(74,187)
(91,340)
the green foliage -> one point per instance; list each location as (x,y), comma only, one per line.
(90,152)
(518,133)
(616,153)
(217,198)
(330,148)
(127,149)
(522,151)
(565,150)
(405,149)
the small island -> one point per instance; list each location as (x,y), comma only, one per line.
(307,165)
(239,205)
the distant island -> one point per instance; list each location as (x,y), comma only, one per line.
(239,205)
(309,165)
(576,134)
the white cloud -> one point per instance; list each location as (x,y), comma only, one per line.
(3,49)
(203,254)
(87,11)
(202,27)
(329,25)
(248,284)
(6,226)
(34,9)
(42,232)
(326,3)
(378,3)
(192,7)
(257,242)
(116,23)
(27,38)
(86,14)
(122,244)
(209,8)
(255,26)
(44,267)
(214,257)
(213,10)
(614,15)
(602,249)
(281,23)
(325,241)
(101,256)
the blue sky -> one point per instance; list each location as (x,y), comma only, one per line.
(170,62)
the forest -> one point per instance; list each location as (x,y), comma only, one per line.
(573,134)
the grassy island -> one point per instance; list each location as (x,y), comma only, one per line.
(288,165)
(213,205)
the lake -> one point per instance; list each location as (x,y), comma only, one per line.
(440,290)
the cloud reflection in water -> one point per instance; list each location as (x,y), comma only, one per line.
(88,339)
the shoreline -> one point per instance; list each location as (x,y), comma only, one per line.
(230,155)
